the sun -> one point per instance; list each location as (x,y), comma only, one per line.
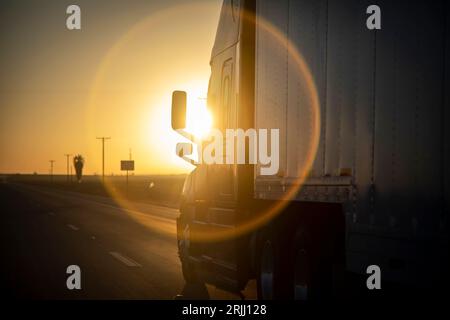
(198,119)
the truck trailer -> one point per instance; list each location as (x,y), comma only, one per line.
(362,185)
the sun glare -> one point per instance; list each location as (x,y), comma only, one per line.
(199,120)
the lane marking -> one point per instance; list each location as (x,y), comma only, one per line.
(71,226)
(125,260)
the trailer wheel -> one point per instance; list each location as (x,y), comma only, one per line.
(311,273)
(302,282)
(271,270)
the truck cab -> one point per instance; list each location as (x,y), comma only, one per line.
(215,196)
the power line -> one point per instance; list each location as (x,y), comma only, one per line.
(103,155)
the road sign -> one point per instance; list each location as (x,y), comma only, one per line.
(127,165)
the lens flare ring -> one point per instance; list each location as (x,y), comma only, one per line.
(263,217)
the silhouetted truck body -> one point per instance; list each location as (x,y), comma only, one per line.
(376,190)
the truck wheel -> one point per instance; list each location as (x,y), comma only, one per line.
(271,270)
(187,268)
(311,273)
(301,267)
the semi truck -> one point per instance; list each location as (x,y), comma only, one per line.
(363,116)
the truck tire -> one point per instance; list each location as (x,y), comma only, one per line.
(272,283)
(302,267)
(311,273)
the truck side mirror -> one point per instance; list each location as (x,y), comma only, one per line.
(178,110)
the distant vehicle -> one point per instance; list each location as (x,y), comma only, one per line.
(377,190)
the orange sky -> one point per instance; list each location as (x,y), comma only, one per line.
(61,89)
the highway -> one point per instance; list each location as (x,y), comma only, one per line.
(122,253)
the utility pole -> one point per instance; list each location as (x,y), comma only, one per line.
(103,155)
(67,155)
(51,169)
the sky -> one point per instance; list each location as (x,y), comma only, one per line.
(60,89)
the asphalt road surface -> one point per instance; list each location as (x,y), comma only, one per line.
(123,253)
